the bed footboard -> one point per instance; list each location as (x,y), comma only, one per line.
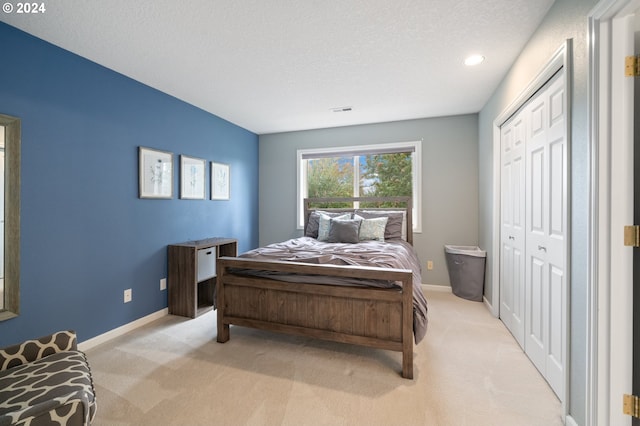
(367,316)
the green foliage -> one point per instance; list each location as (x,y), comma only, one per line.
(330,178)
(382,175)
(389,175)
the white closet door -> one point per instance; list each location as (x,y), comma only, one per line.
(546,209)
(533,284)
(512,266)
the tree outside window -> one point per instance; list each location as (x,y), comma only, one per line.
(386,175)
(386,170)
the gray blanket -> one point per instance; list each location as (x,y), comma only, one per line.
(397,254)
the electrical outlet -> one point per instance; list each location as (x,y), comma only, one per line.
(128,295)
(429,265)
(163,284)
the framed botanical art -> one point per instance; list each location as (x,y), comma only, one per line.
(155,173)
(220,181)
(192,178)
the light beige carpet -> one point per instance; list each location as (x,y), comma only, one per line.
(469,371)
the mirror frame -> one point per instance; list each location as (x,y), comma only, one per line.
(12,143)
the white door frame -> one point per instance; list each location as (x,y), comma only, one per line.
(609,362)
(560,59)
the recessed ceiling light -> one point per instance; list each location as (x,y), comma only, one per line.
(474,60)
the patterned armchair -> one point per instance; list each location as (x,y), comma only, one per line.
(46,381)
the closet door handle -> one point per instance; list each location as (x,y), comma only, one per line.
(542,248)
(511,237)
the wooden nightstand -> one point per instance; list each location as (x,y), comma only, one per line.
(192,274)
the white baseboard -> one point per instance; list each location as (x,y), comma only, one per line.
(490,307)
(116,332)
(569,421)
(433,287)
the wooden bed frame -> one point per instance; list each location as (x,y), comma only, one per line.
(374,317)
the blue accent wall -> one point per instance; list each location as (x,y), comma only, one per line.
(85,234)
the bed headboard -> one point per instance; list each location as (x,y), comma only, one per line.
(309,204)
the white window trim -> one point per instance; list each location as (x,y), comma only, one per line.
(416,168)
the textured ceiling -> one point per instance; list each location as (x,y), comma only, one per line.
(281,65)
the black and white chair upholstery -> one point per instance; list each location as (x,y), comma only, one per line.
(46,381)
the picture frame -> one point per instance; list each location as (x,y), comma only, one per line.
(192,178)
(220,181)
(155,173)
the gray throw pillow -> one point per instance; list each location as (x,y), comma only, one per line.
(325,223)
(313,224)
(344,231)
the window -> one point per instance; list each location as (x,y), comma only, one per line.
(361,171)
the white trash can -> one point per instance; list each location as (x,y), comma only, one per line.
(466,271)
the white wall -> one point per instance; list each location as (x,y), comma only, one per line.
(567,19)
